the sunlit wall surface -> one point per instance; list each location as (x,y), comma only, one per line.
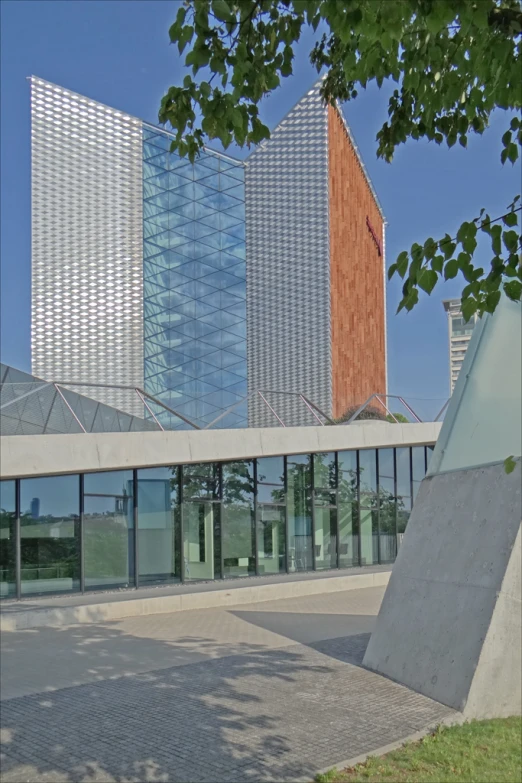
(194,283)
(483,423)
(199,522)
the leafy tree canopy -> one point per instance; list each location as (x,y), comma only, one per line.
(453,62)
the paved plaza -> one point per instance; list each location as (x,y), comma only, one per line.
(271,691)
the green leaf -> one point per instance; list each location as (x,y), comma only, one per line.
(509,464)
(496,239)
(427,280)
(391,271)
(451,269)
(437,263)
(222,10)
(402,263)
(510,219)
(512,152)
(510,239)
(447,246)
(492,300)
(514,290)
(469,307)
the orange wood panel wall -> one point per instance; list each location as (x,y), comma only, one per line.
(356,276)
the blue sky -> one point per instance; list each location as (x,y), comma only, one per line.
(118,53)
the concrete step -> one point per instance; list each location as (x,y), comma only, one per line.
(95,608)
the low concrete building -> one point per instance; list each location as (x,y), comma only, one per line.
(104,511)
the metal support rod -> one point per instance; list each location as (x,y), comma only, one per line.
(170,410)
(23,396)
(315,407)
(281,422)
(410,409)
(228,410)
(360,409)
(442,409)
(311,410)
(72,412)
(388,411)
(142,398)
(46,422)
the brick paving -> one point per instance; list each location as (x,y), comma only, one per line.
(277,699)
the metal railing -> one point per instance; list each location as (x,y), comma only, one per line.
(149,401)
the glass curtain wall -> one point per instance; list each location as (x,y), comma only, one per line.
(50,534)
(7,539)
(206,521)
(159,526)
(271,515)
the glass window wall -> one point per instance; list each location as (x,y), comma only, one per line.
(7,539)
(271,515)
(201,521)
(159,526)
(109,530)
(368,519)
(50,534)
(299,505)
(238,532)
(207,521)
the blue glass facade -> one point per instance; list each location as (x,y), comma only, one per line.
(194,283)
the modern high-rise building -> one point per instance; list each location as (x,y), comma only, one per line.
(200,283)
(459,335)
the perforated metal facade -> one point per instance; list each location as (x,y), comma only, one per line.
(194,283)
(87,243)
(288,272)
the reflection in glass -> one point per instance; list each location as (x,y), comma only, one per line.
(201,552)
(403,472)
(387,507)
(271,470)
(299,496)
(418,467)
(324,471)
(368,519)
(348,514)
(159,526)
(7,538)
(50,534)
(325,536)
(238,534)
(108,529)
(271,544)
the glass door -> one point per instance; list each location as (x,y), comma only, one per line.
(201,555)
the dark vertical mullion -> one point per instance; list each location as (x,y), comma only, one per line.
(82,535)
(411,475)
(181,525)
(337,541)
(285,491)
(359,542)
(18,541)
(135,521)
(396,499)
(220,512)
(256,552)
(312,479)
(378,495)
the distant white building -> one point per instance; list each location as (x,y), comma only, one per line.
(459,332)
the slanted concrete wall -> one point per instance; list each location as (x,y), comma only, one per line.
(450,623)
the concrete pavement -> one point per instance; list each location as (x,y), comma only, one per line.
(272,691)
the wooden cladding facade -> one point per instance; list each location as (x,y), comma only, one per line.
(357,294)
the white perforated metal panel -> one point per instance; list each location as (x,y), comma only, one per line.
(288,265)
(87,243)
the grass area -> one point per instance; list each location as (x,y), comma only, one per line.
(477,752)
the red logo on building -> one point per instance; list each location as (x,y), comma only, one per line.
(374,235)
